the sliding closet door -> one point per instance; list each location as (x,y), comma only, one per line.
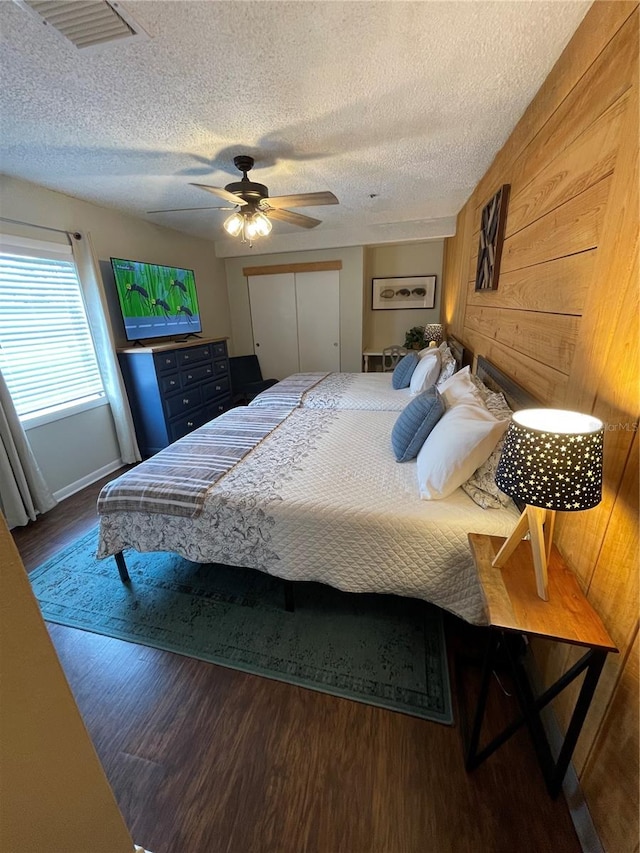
(318,298)
(274,321)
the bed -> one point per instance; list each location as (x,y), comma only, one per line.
(319,498)
(366,391)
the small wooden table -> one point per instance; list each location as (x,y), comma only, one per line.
(515,608)
(365,355)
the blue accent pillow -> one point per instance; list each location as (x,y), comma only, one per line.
(403,370)
(414,424)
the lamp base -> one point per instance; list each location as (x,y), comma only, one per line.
(539,523)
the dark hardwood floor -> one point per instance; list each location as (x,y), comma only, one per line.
(204,759)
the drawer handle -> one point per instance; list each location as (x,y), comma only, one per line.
(172,382)
(185,401)
(189,423)
(218,387)
(186,358)
(167,361)
(208,370)
(189,376)
(220,408)
(206,352)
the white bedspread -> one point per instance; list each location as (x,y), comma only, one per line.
(322,498)
(367,391)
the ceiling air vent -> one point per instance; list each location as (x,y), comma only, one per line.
(86,23)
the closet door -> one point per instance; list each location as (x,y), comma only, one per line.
(274,322)
(318,299)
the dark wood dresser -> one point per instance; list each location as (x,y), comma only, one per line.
(174,388)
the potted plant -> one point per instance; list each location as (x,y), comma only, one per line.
(414,338)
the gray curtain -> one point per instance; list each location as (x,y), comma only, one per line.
(23,491)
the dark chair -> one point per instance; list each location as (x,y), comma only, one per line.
(246,379)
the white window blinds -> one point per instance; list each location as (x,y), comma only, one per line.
(46,351)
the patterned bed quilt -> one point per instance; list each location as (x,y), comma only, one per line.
(321,498)
(366,391)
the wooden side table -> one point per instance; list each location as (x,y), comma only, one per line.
(515,608)
(365,355)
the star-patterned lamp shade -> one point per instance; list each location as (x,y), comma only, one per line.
(553,459)
(433,332)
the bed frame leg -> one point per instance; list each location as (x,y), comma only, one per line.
(289,604)
(122,567)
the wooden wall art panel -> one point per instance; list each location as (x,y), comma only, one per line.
(492,222)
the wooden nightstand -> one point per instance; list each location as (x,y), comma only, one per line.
(515,608)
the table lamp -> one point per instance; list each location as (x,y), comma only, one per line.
(551,461)
(433,334)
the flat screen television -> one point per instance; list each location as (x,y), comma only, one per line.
(156,301)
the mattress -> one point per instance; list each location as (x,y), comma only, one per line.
(322,498)
(359,391)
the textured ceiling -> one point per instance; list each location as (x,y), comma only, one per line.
(396,107)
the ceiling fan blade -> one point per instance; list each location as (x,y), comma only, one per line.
(227,196)
(293,218)
(303,200)
(181,209)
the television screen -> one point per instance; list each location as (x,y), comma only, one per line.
(156,301)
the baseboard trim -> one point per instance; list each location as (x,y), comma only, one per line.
(83,482)
(578,808)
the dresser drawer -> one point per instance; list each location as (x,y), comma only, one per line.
(217,408)
(183,426)
(165,361)
(220,366)
(220,349)
(170,382)
(215,389)
(193,355)
(196,374)
(180,403)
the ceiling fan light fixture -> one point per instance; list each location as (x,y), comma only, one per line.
(251,228)
(255,208)
(234,224)
(248,224)
(262,224)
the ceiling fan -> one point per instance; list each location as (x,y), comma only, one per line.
(254,207)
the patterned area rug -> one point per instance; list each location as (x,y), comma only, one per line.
(378,649)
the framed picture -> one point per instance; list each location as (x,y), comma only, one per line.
(411,291)
(492,222)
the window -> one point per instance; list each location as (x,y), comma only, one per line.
(46,351)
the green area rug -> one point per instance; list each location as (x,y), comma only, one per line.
(378,649)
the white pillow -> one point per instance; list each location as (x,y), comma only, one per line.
(448,364)
(481,485)
(426,372)
(460,442)
(459,388)
(480,386)
(425,351)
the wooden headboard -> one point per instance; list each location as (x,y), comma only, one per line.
(516,396)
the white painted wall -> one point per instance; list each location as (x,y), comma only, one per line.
(71,450)
(351,276)
(385,328)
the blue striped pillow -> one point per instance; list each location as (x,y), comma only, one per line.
(403,370)
(414,424)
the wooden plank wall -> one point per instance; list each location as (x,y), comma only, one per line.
(564,323)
